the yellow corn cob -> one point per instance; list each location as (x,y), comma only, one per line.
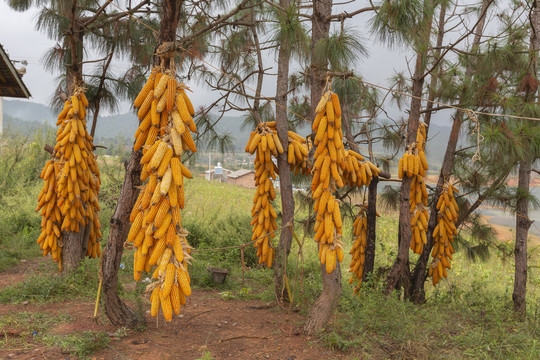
(166,307)
(183,281)
(175,299)
(154,298)
(166,181)
(169,278)
(145,106)
(171,93)
(161,86)
(158,156)
(149,85)
(165,162)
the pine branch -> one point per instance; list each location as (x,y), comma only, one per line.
(463,37)
(346,15)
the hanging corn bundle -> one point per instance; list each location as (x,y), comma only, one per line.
(443,234)
(297,155)
(358,250)
(265,143)
(327,172)
(156,232)
(69,198)
(414,164)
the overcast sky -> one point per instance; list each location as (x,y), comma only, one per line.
(22,42)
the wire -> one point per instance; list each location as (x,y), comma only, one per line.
(445,105)
(358,79)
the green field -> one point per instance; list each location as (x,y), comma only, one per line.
(468,315)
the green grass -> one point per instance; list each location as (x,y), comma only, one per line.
(28,324)
(35,327)
(81,284)
(468,315)
(81,343)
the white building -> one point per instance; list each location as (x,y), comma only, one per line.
(11,84)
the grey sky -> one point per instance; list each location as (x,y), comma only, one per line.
(23,42)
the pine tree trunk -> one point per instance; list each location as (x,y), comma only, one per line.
(369,263)
(419,274)
(75,244)
(285,181)
(119,313)
(400,268)
(523,223)
(322,310)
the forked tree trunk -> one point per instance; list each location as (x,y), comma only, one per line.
(523,223)
(116,310)
(400,268)
(285,181)
(420,272)
(322,310)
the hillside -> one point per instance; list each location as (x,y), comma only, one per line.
(23,116)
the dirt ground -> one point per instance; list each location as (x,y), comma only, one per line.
(227,329)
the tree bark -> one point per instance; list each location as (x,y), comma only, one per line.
(320,28)
(523,223)
(369,263)
(116,310)
(322,310)
(419,274)
(75,244)
(285,180)
(400,268)
(435,74)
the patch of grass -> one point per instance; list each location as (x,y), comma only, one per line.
(80,344)
(82,283)
(207,355)
(33,324)
(478,326)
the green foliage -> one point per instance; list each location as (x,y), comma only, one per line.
(289,32)
(207,355)
(341,49)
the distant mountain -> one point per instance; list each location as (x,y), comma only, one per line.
(29,111)
(33,115)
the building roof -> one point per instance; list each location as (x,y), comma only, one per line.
(11,84)
(240,173)
(214,170)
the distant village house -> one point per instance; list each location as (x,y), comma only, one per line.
(243,177)
(11,84)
